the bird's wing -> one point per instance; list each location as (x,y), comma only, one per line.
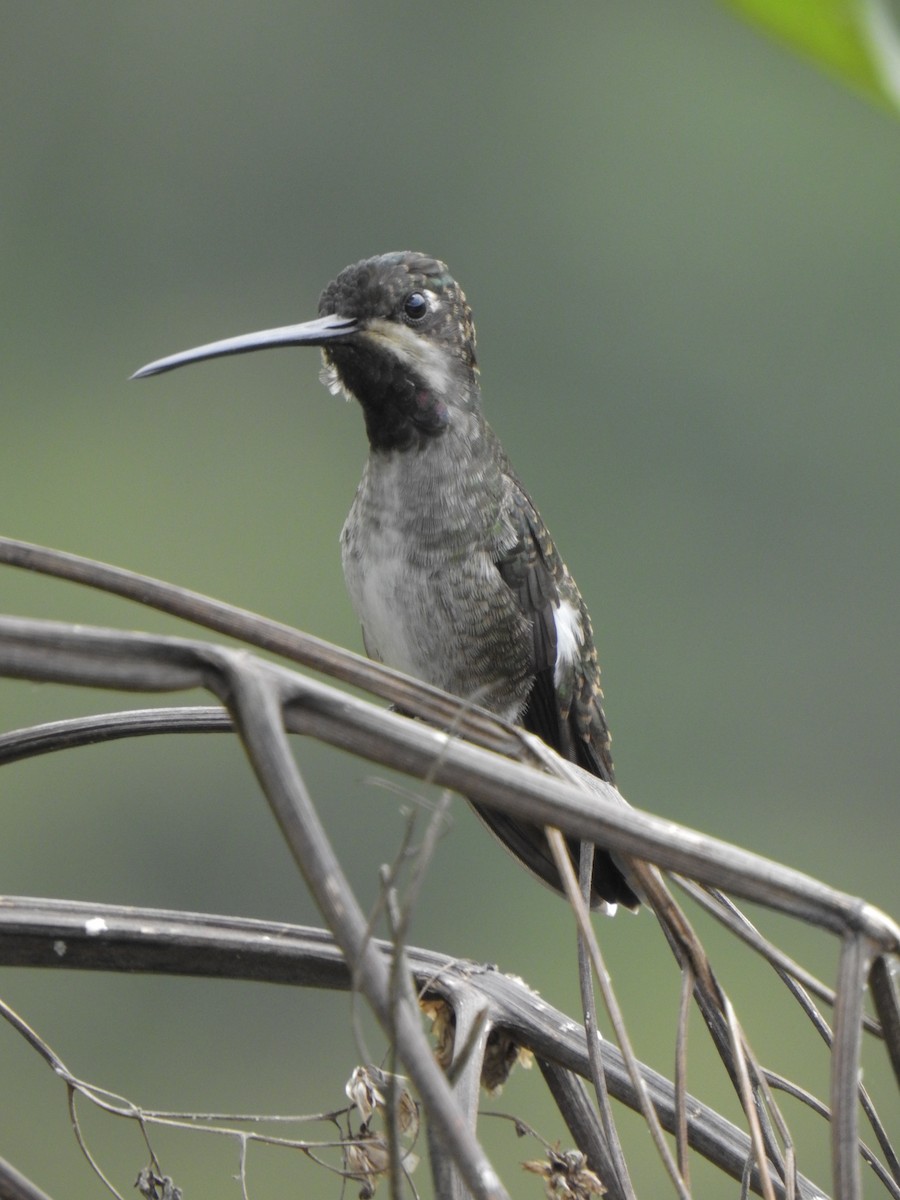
(564,707)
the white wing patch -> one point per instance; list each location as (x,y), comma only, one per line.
(569,638)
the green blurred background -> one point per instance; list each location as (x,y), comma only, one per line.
(681,246)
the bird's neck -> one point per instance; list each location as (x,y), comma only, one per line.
(444,495)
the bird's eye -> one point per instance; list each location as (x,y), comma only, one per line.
(415,306)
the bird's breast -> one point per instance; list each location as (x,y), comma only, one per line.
(420,571)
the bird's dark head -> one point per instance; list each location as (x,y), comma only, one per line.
(411,361)
(396,333)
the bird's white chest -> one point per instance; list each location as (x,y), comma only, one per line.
(404,564)
(392,596)
(420,549)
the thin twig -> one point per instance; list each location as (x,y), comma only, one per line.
(748,1099)
(681,1133)
(617,1177)
(563,864)
(856,957)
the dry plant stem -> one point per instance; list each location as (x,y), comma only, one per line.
(853,970)
(729,915)
(573,893)
(55,934)
(383,901)
(434,831)
(116,1105)
(791,1173)
(766,1105)
(748,1098)
(790,973)
(448,1179)
(472,1030)
(779,887)
(21,744)
(734,919)
(713,1004)
(750,1082)
(256,708)
(401,993)
(254,691)
(796,979)
(613,1170)
(243,1143)
(746,1178)
(42,650)
(680,1078)
(88,730)
(573,1102)
(887,1178)
(83,1146)
(63,653)
(73,1087)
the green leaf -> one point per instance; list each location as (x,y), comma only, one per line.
(856,40)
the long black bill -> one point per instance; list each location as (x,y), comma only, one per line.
(309,333)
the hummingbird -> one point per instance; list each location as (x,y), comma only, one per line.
(451,571)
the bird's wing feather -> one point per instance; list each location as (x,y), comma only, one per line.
(564,706)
